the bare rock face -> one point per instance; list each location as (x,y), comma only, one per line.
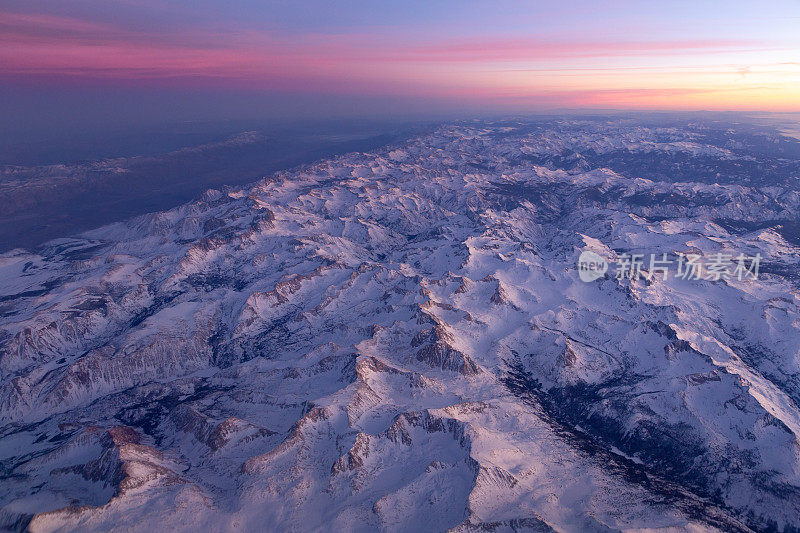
(399,340)
(434,350)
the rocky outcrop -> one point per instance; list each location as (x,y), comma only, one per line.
(399,340)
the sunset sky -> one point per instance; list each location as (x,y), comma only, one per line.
(515,56)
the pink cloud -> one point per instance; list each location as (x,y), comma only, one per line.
(41,43)
(53,46)
(48,49)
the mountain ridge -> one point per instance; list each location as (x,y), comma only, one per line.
(399,340)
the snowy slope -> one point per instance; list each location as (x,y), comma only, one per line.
(399,341)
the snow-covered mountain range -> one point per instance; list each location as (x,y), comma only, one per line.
(399,341)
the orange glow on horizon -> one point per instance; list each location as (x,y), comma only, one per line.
(504,72)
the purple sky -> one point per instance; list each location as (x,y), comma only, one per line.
(319,56)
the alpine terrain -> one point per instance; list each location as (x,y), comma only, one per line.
(399,340)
